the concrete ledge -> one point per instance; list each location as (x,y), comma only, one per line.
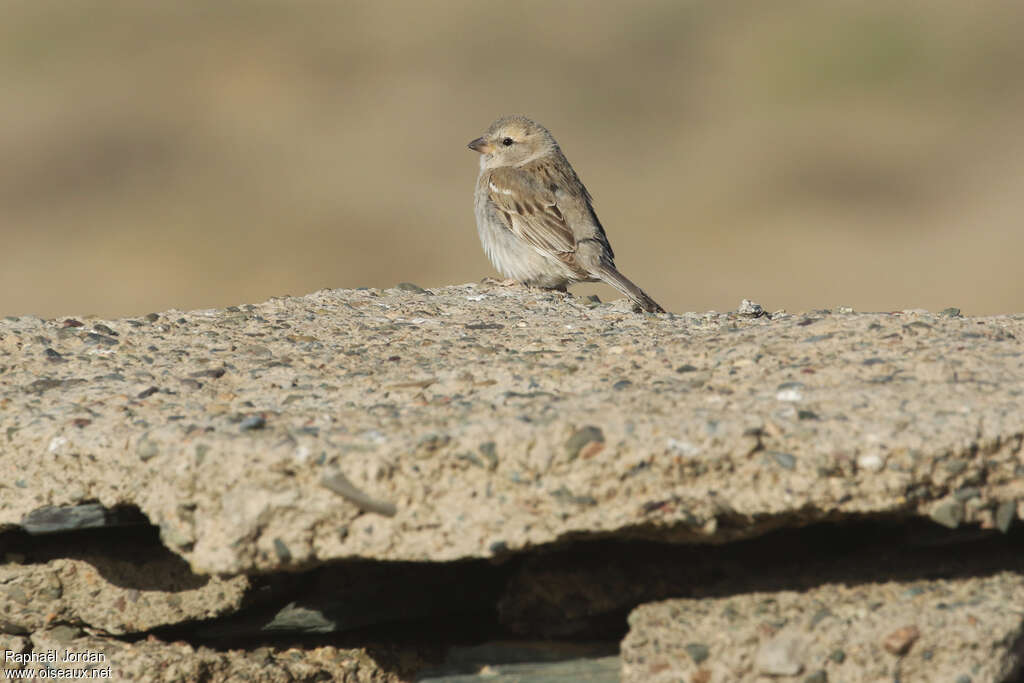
(484,422)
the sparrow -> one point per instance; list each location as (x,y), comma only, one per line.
(536,219)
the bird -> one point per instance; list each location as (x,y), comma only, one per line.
(536,219)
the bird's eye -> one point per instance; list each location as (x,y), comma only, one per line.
(507,142)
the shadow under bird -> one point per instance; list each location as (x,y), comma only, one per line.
(536,219)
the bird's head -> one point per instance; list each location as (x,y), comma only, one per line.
(513,141)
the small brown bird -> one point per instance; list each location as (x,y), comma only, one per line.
(535,217)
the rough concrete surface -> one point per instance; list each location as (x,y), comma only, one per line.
(479,421)
(157,661)
(909,631)
(101,592)
(496,419)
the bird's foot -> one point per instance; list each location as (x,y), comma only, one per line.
(499,283)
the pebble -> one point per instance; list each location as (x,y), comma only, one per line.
(966,493)
(870,462)
(64,633)
(282,551)
(955,466)
(750,309)
(489,451)
(683,447)
(253,422)
(17,594)
(410,287)
(564,495)
(818,617)
(146,393)
(949,514)
(784,460)
(698,652)
(901,640)
(340,484)
(211,372)
(780,656)
(789,391)
(1005,514)
(41,385)
(581,438)
(96,338)
(789,395)
(147,450)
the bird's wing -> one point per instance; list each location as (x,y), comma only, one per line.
(530,211)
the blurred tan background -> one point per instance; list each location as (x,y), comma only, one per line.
(804,154)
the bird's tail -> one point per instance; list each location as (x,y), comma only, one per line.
(622,283)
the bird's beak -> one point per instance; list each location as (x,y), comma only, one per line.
(480,145)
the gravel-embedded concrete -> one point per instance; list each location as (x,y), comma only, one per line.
(496,418)
(104,593)
(148,661)
(961,630)
(477,421)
